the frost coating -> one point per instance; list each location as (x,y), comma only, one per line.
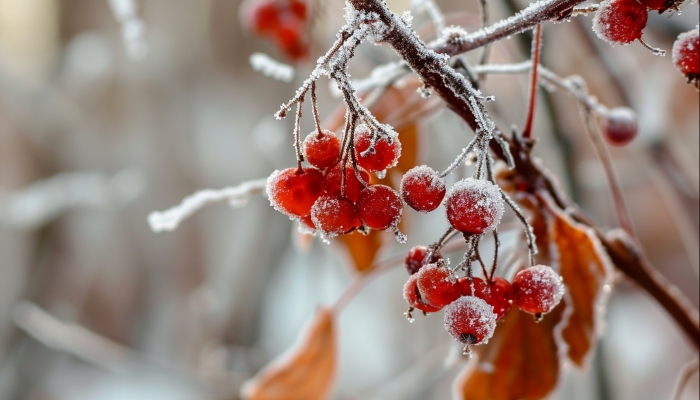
(470,315)
(538,289)
(620,21)
(686,53)
(474,206)
(422,188)
(271,68)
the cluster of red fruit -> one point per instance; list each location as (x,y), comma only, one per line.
(473,305)
(336,199)
(282,21)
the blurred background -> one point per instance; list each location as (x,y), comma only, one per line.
(112,109)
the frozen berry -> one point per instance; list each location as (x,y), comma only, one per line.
(321,149)
(379,207)
(657,5)
(437,285)
(470,320)
(619,126)
(353,186)
(417,258)
(383,155)
(291,39)
(413,296)
(422,188)
(686,54)
(294,191)
(495,293)
(474,206)
(300,8)
(260,16)
(537,290)
(620,21)
(334,215)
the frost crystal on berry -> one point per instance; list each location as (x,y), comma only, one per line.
(470,320)
(620,21)
(474,206)
(686,54)
(537,290)
(422,188)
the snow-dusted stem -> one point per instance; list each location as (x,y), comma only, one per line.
(534,76)
(236,196)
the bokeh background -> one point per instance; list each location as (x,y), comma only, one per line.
(106,116)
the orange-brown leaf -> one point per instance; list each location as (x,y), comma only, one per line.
(305,372)
(362,249)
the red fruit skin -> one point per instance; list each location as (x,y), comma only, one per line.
(686,54)
(619,126)
(437,285)
(262,17)
(334,215)
(321,149)
(416,258)
(300,9)
(293,192)
(353,186)
(497,293)
(379,207)
(413,296)
(385,154)
(470,320)
(537,290)
(620,21)
(422,189)
(474,206)
(291,39)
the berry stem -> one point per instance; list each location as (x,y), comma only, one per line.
(297,134)
(534,76)
(654,50)
(477,255)
(531,245)
(496,245)
(314,108)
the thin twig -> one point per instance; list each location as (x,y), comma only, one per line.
(314,107)
(687,372)
(534,76)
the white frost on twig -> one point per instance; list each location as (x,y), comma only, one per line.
(132,27)
(271,68)
(236,196)
(46,199)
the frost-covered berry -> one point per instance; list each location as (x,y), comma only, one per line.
(413,296)
(260,16)
(470,320)
(437,285)
(619,126)
(334,215)
(353,186)
(294,191)
(620,21)
(291,39)
(474,206)
(686,54)
(537,290)
(422,188)
(300,8)
(379,207)
(385,154)
(417,258)
(496,293)
(321,149)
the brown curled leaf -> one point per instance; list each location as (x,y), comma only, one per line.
(306,371)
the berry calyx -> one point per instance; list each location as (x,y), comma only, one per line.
(496,293)
(437,286)
(537,290)
(334,215)
(470,321)
(321,149)
(686,54)
(413,297)
(474,206)
(353,186)
(422,188)
(417,258)
(620,21)
(379,207)
(619,126)
(294,191)
(383,155)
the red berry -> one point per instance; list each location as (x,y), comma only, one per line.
(385,154)
(470,320)
(413,296)
(260,16)
(321,149)
(379,207)
(353,186)
(299,8)
(416,258)
(291,39)
(474,206)
(620,21)
(537,290)
(422,188)
(293,192)
(619,126)
(437,285)
(334,215)
(495,293)
(686,54)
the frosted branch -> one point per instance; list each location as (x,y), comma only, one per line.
(271,68)
(132,27)
(236,196)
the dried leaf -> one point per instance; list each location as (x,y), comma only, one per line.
(304,372)
(362,249)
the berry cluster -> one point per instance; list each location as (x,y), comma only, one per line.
(333,196)
(473,305)
(282,21)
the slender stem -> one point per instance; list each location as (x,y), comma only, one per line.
(496,245)
(534,76)
(297,139)
(314,108)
